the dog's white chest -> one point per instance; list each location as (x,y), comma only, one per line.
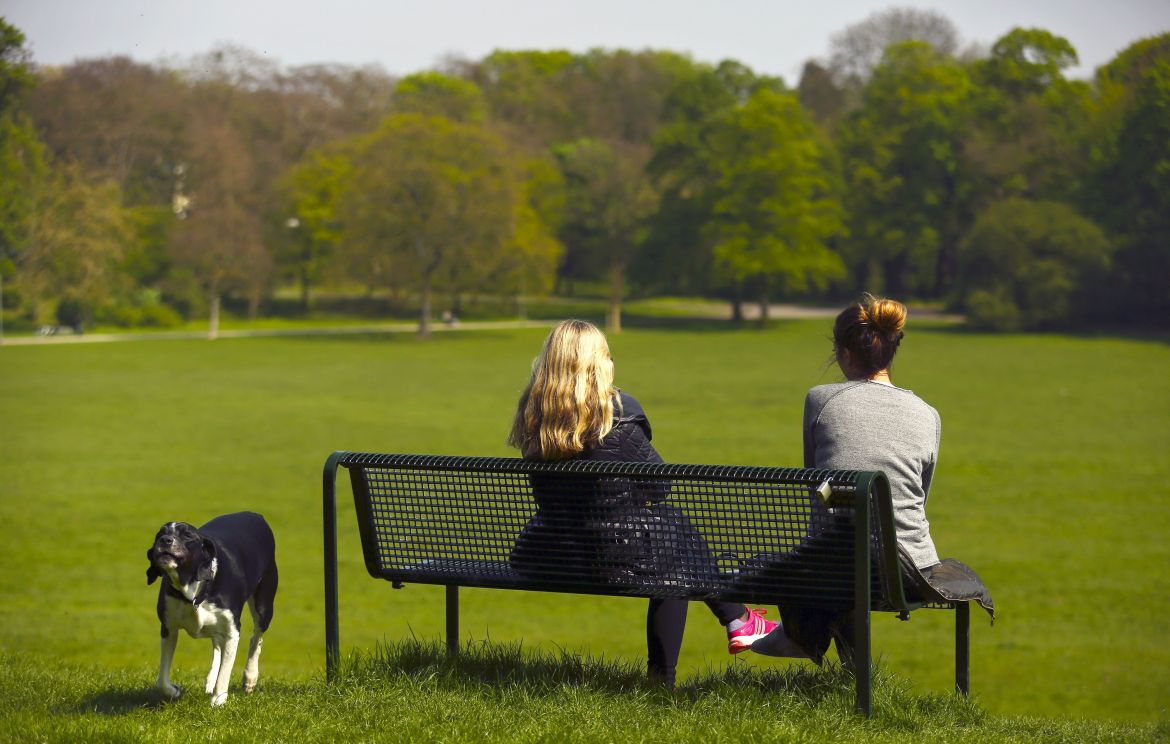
(204,621)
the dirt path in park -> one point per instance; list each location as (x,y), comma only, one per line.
(697,309)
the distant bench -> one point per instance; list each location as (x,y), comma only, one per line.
(455,521)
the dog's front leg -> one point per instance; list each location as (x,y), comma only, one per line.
(170,639)
(213,673)
(231,639)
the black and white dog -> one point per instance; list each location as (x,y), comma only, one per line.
(209,574)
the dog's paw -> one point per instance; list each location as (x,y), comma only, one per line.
(249,685)
(210,686)
(170,692)
(218,700)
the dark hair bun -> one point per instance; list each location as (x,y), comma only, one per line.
(886,316)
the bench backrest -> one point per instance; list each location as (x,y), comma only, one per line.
(736,533)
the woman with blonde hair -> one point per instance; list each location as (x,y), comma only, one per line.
(868,423)
(571,410)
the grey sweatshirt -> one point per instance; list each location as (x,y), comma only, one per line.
(865,425)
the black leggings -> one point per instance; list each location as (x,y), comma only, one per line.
(665,621)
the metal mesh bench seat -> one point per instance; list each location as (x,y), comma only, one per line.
(789,536)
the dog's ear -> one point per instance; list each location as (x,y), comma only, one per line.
(206,571)
(152,573)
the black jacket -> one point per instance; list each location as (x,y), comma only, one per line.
(589,527)
(629,440)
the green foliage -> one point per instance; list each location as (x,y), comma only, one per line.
(313,233)
(1031,265)
(773,210)
(22,173)
(1029,61)
(607,198)
(22,155)
(16,74)
(914,142)
(530,263)
(76,242)
(143,309)
(902,156)
(527,89)
(1131,194)
(436,94)
(429,204)
(746,188)
(1031,131)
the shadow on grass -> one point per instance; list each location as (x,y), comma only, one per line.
(483,664)
(121,702)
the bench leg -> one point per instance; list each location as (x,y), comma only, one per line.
(329,526)
(861,604)
(452,619)
(963,648)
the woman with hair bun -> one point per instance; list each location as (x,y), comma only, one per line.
(571,410)
(868,423)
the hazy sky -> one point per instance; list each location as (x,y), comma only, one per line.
(770,36)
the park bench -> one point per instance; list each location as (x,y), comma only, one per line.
(455,521)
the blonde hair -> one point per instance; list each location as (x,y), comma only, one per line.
(871,332)
(568,404)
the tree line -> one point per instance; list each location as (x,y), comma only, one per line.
(985,179)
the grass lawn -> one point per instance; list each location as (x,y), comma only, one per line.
(413,691)
(1053,482)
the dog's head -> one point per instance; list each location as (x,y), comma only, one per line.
(179,547)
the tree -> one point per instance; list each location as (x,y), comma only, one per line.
(429,200)
(120,120)
(436,94)
(218,241)
(23,176)
(23,166)
(312,188)
(608,198)
(16,76)
(855,52)
(1031,265)
(528,263)
(820,95)
(905,171)
(1129,192)
(677,253)
(75,244)
(773,212)
(1030,128)
(526,90)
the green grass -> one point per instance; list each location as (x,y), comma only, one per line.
(415,692)
(1052,483)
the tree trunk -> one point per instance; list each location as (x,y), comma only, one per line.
(424,318)
(764,297)
(213,317)
(613,319)
(305,290)
(736,304)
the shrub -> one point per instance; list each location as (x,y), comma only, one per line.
(144,309)
(1030,265)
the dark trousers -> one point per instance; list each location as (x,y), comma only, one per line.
(665,621)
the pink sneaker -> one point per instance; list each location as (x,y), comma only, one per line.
(753,629)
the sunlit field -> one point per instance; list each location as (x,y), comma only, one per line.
(1053,482)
